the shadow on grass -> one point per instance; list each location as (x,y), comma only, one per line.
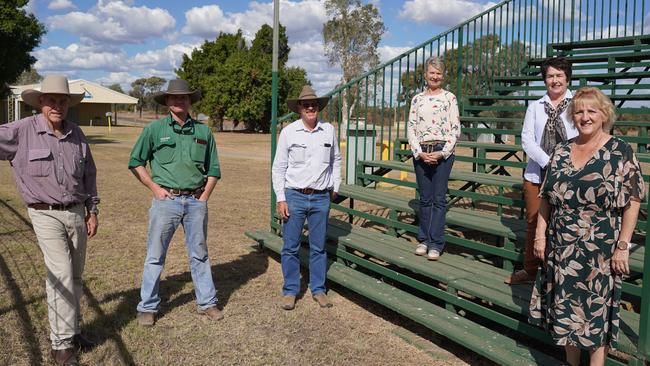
(100,140)
(27,329)
(228,278)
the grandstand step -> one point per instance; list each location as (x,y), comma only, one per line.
(542,89)
(504,181)
(589,77)
(487,146)
(475,119)
(625,57)
(605,42)
(511,228)
(492,98)
(486,342)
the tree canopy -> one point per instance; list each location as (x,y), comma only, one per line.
(20,33)
(29,76)
(235,79)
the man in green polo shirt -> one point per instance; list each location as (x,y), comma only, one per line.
(184,170)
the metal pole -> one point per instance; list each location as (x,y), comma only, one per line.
(274,88)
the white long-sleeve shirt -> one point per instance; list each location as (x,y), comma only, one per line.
(306,159)
(531,136)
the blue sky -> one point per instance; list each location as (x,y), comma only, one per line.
(118,41)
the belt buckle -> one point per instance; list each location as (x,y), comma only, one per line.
(175,192)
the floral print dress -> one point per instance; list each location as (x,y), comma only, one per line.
(577,295)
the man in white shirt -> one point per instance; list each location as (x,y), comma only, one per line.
(306,175)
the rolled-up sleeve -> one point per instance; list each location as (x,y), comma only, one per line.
(336,162)
(8,141)
(142,150)
(212,164)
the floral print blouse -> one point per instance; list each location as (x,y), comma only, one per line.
(433,117)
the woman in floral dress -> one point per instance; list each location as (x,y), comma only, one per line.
(433,127)
(590,202)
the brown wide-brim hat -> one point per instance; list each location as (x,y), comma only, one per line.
(307,94)
(177,87)
(51,84)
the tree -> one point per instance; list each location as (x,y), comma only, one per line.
(117,87)
(236,80)
(29,76)
(20,33)
(352,35)
(144,89)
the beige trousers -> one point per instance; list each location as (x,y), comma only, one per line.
(62,238)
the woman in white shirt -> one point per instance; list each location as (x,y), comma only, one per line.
(545,125)
(433,128)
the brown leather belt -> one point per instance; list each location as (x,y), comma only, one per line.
(47,206)
(310,190)
(184,192)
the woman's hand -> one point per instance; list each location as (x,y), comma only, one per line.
(539,249)
(620,261)
(428,158)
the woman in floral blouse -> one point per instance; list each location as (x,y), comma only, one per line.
(433,128)
(590,202)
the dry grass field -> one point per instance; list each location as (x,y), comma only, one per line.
(255,330)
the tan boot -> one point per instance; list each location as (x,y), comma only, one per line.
(146,319)
(212,313)
(288,302)
(322,300)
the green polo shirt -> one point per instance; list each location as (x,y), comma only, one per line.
(180,156)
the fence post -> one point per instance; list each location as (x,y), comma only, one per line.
(459,71)
(644,323)
(573,13)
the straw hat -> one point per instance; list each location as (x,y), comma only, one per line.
(307,93)
(51,84)
(177,87)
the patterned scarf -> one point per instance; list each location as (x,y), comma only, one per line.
(554,131)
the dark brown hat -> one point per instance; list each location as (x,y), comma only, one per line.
(177,87)
(307,93)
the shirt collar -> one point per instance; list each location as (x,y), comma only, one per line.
(546,98)
(171,120)
(43,127)
(301,126)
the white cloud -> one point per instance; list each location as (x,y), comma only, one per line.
(303,20)
(442,13)
(79,57)
(311,57)
(387,53)
(30,7)
(61,5)
(115,22)
(168,58)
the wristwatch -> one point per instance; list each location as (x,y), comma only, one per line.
(94,210)
(622,245)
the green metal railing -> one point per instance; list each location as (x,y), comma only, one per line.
(372,109)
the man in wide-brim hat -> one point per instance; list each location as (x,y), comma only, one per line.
(182,155)
(306,175)
(56,177)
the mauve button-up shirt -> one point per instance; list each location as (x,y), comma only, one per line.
(49,169)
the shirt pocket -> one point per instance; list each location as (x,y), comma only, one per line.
(297,154)
(164,152)
(79,162)
(197,151)
(326,150)
(40,162)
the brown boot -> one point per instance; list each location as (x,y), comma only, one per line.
(146,319)
(322,300)
(65,357)
(212,313)
(288,302)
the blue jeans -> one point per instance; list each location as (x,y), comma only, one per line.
(432,183)
(164,217)
(315,209)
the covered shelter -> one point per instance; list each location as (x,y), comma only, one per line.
(94,109)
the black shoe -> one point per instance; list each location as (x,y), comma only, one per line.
(83,343)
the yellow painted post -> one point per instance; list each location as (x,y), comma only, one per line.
(109,125)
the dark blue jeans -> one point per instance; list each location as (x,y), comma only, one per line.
(432,183)
(315,209)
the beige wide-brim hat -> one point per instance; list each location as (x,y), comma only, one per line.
(51,84)
(177,87)
(307,94)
